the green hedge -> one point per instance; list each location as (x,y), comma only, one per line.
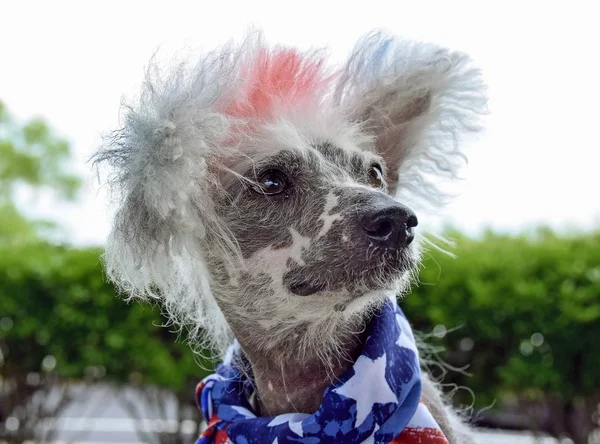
(55,301)
(526,312)
(529,306)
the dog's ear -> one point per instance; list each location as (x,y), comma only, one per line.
(417,101)
(161,178)
(163,185)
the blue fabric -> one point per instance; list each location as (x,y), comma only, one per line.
(373,401)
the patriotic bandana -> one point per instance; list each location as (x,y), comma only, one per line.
(375,401)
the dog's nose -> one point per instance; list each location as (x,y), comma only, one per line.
(391,226)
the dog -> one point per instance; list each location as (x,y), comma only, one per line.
(262,196)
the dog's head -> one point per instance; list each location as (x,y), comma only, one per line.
(265,180)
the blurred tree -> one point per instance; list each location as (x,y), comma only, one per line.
(528,316)
(33,155)
(30,156)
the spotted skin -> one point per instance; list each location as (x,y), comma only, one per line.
(316,218)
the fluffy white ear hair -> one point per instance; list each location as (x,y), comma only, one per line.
(165,191)
(418,101)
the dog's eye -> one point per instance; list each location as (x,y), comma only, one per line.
(375,176)
(272,182)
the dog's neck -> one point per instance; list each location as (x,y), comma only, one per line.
(296,352)
(297,382)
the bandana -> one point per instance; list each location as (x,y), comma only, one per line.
(377,400)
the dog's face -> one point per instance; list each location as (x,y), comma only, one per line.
(257,184)
(314,218)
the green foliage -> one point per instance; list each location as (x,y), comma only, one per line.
(54,301)
(15,229)
(528,312)
(31,155)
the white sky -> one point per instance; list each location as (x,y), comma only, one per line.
(539,162)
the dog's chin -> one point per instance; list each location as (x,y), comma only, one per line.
(393,284)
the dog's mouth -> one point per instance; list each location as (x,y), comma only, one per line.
(357,278)
(306,288)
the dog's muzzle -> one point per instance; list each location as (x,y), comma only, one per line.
(391,226)
(369,246)
(385,222)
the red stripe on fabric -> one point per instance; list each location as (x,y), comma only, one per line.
(218,436)
(421,435)
(199,388)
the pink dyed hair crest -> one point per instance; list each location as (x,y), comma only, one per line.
(277,78)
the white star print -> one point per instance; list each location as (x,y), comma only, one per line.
(406,338)
(294,421)
(366,396)
(423,419)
